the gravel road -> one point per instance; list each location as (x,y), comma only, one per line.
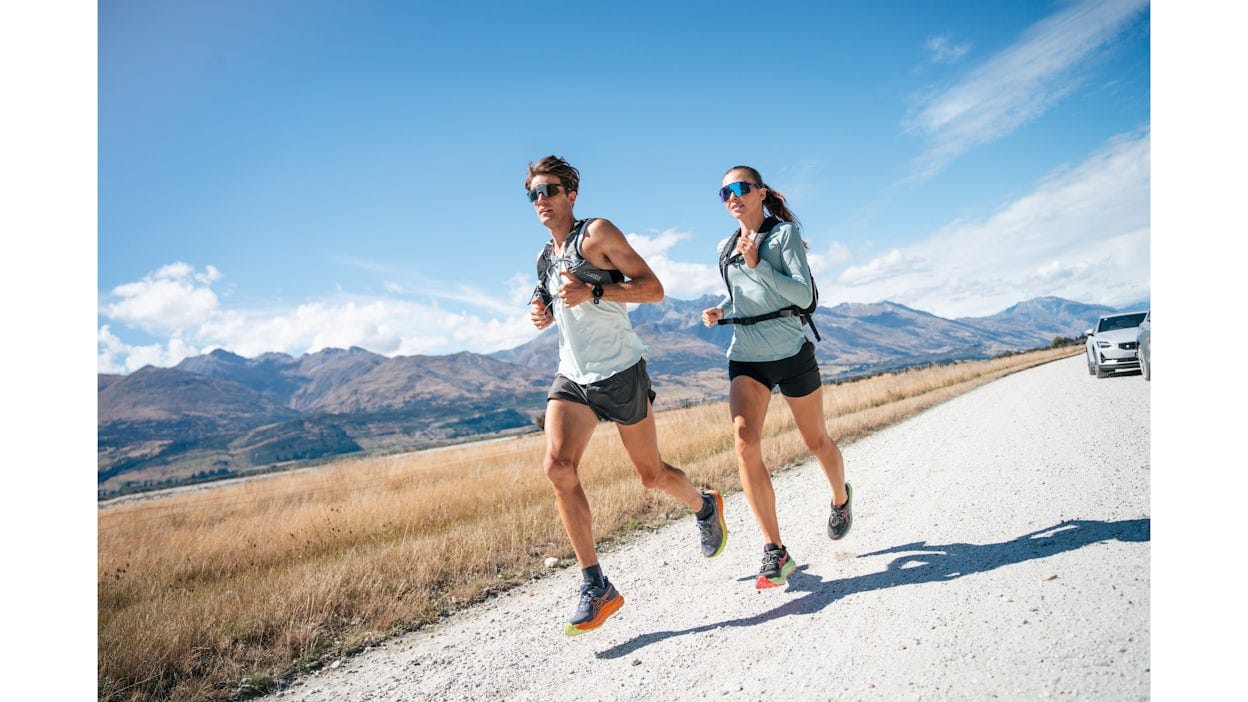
(1000,549)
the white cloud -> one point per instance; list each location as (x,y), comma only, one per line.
(364,264)
(116,356)
(680,280)
(520,288)
(1081,234)
(823,262)
(890,265)
(171,298)
(459,293)
(944,51)
(177,303)
(1016,85)
(112,352)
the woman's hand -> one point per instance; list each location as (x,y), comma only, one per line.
(711,316)
(748,249)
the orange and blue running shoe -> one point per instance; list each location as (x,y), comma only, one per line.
(597,603)
(713,531)
(776,567)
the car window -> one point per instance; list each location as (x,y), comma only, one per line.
(1126,321)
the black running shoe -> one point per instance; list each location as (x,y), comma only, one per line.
(713,531)
(842,518)
(597,603)
(777,564)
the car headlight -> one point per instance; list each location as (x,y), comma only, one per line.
(1103,344)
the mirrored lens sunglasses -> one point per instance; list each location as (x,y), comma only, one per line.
(739,188)
(547,189)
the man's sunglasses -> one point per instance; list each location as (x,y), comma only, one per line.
(547,189)
(739,188)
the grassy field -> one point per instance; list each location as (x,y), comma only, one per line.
(220,593)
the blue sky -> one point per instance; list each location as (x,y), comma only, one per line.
(250,175)
(290,176)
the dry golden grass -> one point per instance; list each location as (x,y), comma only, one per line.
(257,580)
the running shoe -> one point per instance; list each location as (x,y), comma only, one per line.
(842,517)
(713,531)
(597,603)
(776,567)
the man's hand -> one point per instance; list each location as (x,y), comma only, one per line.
(711,316)
(574,292)
(541,315)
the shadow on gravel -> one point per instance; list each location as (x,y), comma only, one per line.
(922,563)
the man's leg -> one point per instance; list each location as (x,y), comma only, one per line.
(641,441)
(569,427)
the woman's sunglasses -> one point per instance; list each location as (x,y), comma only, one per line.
(739,188)
(547,189)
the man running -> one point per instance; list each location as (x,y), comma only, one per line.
(588,272)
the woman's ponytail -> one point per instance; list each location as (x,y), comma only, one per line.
(773,202)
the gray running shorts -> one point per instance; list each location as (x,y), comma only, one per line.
(622,398)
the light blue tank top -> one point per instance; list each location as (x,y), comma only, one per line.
(595,341)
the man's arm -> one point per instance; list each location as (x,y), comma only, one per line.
(605,246)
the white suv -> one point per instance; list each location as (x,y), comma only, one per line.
(1112,343)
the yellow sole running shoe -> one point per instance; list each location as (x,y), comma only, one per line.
(713,531)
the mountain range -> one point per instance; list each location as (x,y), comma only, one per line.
(221,415)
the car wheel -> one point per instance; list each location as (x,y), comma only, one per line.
(1144,368)
(1091,368)
(1100,372)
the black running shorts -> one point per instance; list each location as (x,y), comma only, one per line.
(797,375)
(623,398)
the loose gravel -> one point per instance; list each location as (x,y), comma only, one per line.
(1000,549)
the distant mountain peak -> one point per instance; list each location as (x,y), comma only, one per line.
(224,355)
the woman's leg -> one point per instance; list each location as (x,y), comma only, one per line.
(747,402)
(808,415)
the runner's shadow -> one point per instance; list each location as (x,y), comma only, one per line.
(920,564)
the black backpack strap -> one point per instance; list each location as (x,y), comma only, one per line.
(544,261)
(747,321)
(809,320)
(792,311)
(728,254)
(575,238)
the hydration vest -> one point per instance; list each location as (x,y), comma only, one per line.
(729,255)
(584,271)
